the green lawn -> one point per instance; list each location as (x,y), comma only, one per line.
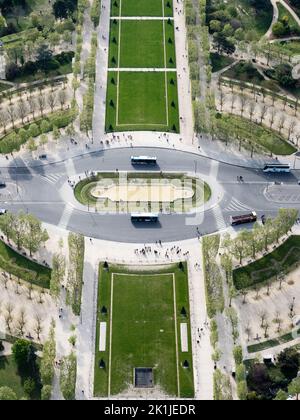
(145,39)
(12,378)
(292,23)
(254,133)
(219,62)
(9,375)
(143,329)
(264,345)
(281,259)
(20,266)
(140,44)
(142,103)
(141,8)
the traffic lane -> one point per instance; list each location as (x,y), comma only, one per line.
(119,227)
(110,160)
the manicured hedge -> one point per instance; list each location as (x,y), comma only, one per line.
(13,141)
(19,266)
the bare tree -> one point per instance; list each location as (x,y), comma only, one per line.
(248,332)
(263,112)
(263,317)
(243,102)
(281,122)
(32,105)
(52,100)
(221,99)
(22,109)
(291,129)
(21,322)
(3,120)
(62,97)
(272,117)
(12,114)
(38,327)
(4,278)
(8,317)
(41,103)
(251,110)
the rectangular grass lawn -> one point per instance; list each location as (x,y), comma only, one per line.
(141,8)
(140,44)
(140,103)
(143,330)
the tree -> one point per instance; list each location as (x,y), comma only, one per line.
(46,393)
(57,274)
(7,394)
(29,387)
(281,396)
(294,387)
(41,103)
(279,29)
(21,321)
(35,235)
(22,110)
(38,326)
(62,9)
(23,353)
(288,362)
(68,377)
(44,56)
(6,225)
(47,362)
(18,229)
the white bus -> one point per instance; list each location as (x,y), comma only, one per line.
(277,168)
(144,217)
(143,160)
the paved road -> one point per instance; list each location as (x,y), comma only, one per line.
(41,191)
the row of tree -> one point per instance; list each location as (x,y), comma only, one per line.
(25,230)
(248,243)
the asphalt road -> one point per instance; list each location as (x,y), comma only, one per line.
(38,190)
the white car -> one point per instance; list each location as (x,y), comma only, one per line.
(3,211)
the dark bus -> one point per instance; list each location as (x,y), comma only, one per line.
(277,168)
(144,217)
(143,160)
(246,218)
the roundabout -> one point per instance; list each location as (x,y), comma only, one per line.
(125,192)
(47,192)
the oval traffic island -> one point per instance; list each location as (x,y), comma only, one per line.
(142,192)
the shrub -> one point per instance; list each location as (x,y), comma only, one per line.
(46,393)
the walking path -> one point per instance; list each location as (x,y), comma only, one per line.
(276,15)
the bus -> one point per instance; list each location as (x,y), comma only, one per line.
(143,160)
(144,217)
(277,168)
(245,218)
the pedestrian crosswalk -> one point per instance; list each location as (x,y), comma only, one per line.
(236,205)
(65,217)
(52,178)
(219,218)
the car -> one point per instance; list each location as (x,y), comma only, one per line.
(42,157)
(2,184)
(3,211)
